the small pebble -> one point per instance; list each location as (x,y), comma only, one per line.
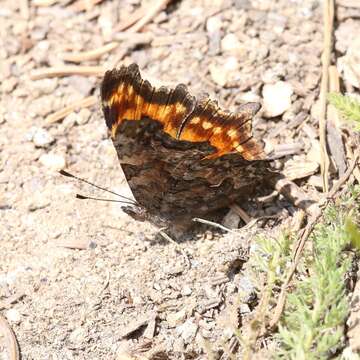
(38,201)
(174,319)
(230,43)
(188,331)
(218,75)
(213,24)
(9,84)
(231,64)
(249,96)
(81,84)
(41,51)
(349,65)
(13,316)
(231,219)
(277,98)
(42,138)
(46,86)
(78,336)
(186,291)
(54,162)
(70,120)
(84,116)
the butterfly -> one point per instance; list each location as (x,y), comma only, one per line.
(182,157)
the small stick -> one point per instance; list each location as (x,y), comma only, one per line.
(82,5)
(24,9)
(211,223)
(43,3)
(131,19)
(328,29)
(295,194)
(153,10)
(90,55)
(242,213)
(133,39)
(349,3)
(10,339)
(11,300)
(302,240)
(79,104)
(67,71)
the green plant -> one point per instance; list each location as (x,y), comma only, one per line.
(348,106)
(313,324)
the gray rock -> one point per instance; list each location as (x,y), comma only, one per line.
(82,84)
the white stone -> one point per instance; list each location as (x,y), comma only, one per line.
(70,120)
(13,316)
(53,161)
(316,110)
(84,116)
(349,65)
(174,319)
(46,86)
(231,64)
(218,75)
(78,335)
(277,98)
(213,24)
(186,291)
(188,331)
(39,200)
(42,138)
(249,96)
(230,43)
(221,74)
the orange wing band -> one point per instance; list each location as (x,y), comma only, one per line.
(126,96)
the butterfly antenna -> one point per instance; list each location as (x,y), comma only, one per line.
(128,200)
(83,197)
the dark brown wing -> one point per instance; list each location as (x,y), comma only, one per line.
(180,156)
(126,96)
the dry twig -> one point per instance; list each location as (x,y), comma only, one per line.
(131,19)
(212,223)
(24,9)
(67,71)
(13,347)
(58,115)
(152,11)
(328,29)
(90,55)
(43,3)
(85,5)
(349,3)
(242,213)
(295,194)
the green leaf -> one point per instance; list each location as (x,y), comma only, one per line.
(353,232)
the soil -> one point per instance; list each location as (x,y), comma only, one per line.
(89,282)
